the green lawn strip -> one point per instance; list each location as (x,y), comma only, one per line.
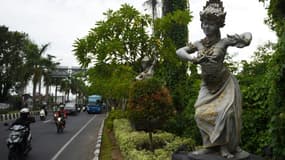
(106,146)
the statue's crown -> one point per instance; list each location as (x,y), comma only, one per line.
(214,10)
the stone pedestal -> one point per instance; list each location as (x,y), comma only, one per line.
(190,156)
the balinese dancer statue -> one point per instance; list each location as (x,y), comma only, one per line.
(218,106)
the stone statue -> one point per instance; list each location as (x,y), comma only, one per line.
(218,106)
(148,68)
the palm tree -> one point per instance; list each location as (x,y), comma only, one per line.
(36,63)
(65,86)
(152,4)
(50,66)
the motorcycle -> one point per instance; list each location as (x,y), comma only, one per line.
(84,108)
(19,142)
(59,121)
(42,115)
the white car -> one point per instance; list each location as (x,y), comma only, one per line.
(70,107)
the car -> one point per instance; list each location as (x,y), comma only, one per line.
(70,108)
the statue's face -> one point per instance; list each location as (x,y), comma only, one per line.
(209,27)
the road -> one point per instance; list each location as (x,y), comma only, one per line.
(76,142)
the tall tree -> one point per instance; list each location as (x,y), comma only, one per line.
(50,66)
(121,39)
(14,50)
(254,88)
(175,35)
(276,74)
(37,63)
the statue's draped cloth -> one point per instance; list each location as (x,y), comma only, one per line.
(218,107)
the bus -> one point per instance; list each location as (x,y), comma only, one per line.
(94,104)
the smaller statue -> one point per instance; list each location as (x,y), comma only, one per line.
(148,70)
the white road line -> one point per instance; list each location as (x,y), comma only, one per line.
(71,139)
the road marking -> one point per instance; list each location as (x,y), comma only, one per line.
(71,139)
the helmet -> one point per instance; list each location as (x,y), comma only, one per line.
(61,106)
(24,112)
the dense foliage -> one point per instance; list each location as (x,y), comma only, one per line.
(148,99)
(276,79)
(133,143)
(112,50)
(14,49)
(121,41)
(255,88)
(173,28)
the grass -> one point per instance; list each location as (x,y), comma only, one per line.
(109,148)
(106,146)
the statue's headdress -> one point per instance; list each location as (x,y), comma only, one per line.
(214,10)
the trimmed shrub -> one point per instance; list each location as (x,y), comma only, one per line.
(149,104)
(115,114)
(130,142)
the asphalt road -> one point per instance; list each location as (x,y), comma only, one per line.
(77,142)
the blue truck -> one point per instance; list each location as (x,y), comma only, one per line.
(94,104)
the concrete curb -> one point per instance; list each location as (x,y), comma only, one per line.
(99,141)
(13,116)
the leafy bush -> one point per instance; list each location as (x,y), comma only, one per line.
(151,104)
(115,114)
(147,101)
(130,142)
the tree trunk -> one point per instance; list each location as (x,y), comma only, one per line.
(55,94)
(34,93)
(47,93)
(150,141)
(40,85)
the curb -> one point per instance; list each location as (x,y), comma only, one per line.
(99,141)
(13,116)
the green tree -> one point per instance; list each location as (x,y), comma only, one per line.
(112,81)
(14,50)
(37,64)
(115,45)
(183,86)
(255,89)
(173,28)
(50,65)
(276,78)
(121,39)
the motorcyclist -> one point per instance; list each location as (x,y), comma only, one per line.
(25,119)
(61,113)
(44,107)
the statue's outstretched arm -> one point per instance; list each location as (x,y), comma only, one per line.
(239,40)
(185,52)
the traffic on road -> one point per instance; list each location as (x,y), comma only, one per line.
(54,137)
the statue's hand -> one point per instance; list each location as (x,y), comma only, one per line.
(239,41)
(200,59)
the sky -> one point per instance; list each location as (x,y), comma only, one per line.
(61,22)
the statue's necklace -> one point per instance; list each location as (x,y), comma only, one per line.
(208,50)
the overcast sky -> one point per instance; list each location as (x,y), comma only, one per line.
(60,22)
